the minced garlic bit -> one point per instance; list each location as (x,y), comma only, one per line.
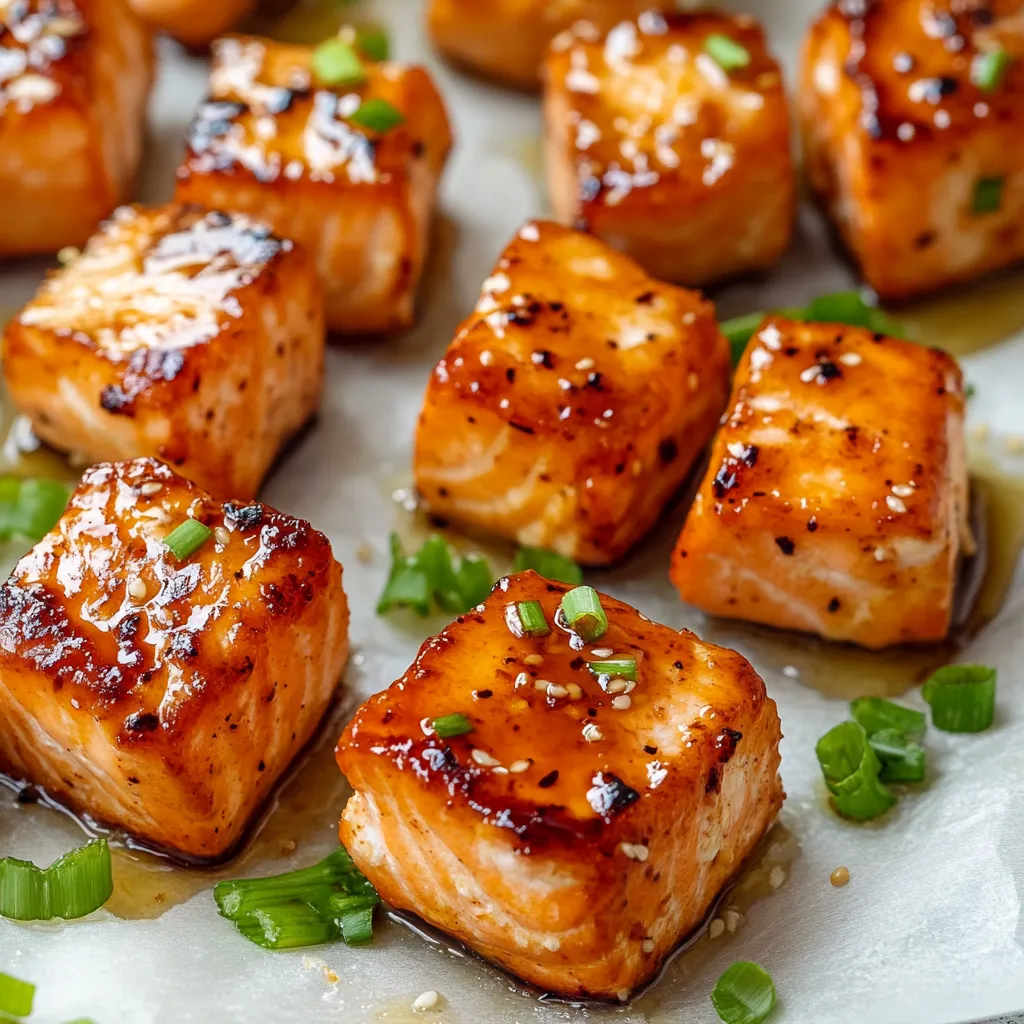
(840,877)
(426,1000)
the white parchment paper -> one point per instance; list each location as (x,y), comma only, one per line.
(928,930)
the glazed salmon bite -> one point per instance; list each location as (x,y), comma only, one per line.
(580,823)
(75,77)
(836,498)
(913,127)
(573,402)
(669,138)
(196,337)
(161,694)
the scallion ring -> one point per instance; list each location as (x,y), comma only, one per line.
(744,994)
(989,69)
(187,538)
(725,52)
(583,612)
(16,996)
(902,759)
(455,724)
(71,887)
(617,668)
(875,713)
(851,770)
(335,63)
(378,115)
(532,620)
(962,698)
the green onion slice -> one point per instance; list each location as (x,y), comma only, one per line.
(354,916)
(378,115)
(531,620)
(989,69)
(16,996)
(289,926)
(902,759)
(620,668)
(30,508)
(373,43)
(583,612)
(962,698)
(851,769)
(336,63)
(455,724)
(548,564)
(73,886)
(988,195)
(187,538)
(725,52)
(435,574)
(744,994)
(877,713)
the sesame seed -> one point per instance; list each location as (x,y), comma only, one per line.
(137,590)
(716,928)
(616,685)
(591,733)
(522,680)
(68,253)
(575,691)
(542,684)
(533,659)
(500,770)
(731,919)
(791,671)
(520,766)
(621,703)
(425,1000)
(851,359)
(648,945)
(895,504)
(777,877)
(880,554)
(518,705)
(364,552)
(150,488)
(483,758)
(840,877)
(585,364)
(903,491)
(623,994)
(634,851)
(556,691)
(602,652)
(486,358)
(221,536)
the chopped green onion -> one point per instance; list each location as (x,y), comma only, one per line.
(531,619)
(16,996)
(187,538)
(289,926)
(378,115)
(73,886)
(548,564)
(989,69)
(725,52)
(970,391)
(902,759)
(434,574)
(373,43)
(877,713)
(744,994)
(988,195)
(583,612)
(354,915)
(962,698)
(336,63)
(851,771)
(452,725)
(619,668)
(30,508)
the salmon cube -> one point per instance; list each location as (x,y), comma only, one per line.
(270,142)
(75,77)
(586,822)
(913,126)
(159,694)
(669,138)
(508,39)
(196,337)
(836,499)
(573,402)
(195,23)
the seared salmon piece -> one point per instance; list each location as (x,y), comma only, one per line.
(197,337)
(836,499)
(159,695)
(587,821)
(913,127)
(271,142)
(573,402)
(507,39)
(195,23)
(663,152)
(75,77)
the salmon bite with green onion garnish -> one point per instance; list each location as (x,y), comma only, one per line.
(562,784)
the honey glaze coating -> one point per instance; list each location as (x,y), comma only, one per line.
(587,822)
(164,696)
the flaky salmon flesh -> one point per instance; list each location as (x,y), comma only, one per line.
(836,497)
(587,821)
(159,695)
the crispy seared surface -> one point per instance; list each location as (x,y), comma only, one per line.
(836,496)
(197,337)
(897,136)
(268,141)
(169,714)
(193,22)
(74,82)
(653,147)
(573,401)
(555,854)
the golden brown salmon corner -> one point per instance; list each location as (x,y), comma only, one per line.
(74,83)
(192,336)
(678,160)
(913,124)
(573,402)
(588,821)
(165,696)
(836,498)
(359,195)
